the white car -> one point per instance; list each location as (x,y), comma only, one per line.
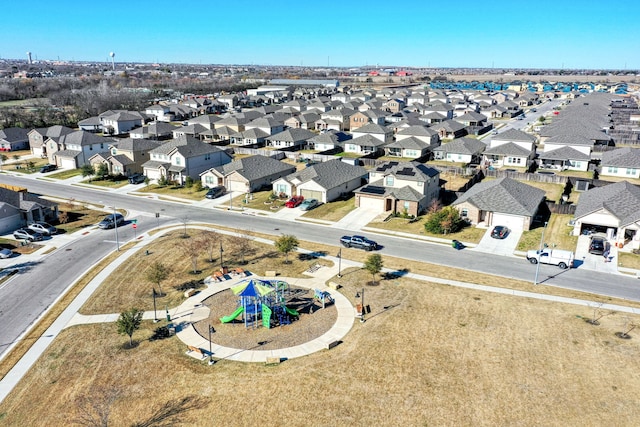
(43,228)
(5,253)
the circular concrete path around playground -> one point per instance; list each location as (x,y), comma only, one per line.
(191,311)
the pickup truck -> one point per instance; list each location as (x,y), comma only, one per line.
(359,242)
(563,259)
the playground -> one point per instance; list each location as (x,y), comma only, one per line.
(269,314)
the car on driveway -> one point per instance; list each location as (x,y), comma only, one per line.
(48,168)
(137,178)
(499,232)
(110,221)
(215,192)
(309,204)
(597,245)
(43,228)
(5,253)
(27,234)
(294,201)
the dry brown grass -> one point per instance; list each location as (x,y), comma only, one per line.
(435,356)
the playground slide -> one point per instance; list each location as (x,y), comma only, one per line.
(232,316)
(291,311)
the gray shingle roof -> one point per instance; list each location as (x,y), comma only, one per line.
(626,157)
(564,153)
(509,149)
(292,135)
(329,174)
(407,171)
(504,195)
(411,143)
(367,140)
(621,199)
(255,167)
(514,135)
(463,146)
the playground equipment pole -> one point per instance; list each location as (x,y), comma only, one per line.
(535,280)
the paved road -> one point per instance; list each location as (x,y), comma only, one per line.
(26,295)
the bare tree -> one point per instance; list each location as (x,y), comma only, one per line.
(212,239)
(434,206)
(193,248)
(94,408)
(243,243)
(185,220)
(157,273)
(598,313)
(628,327)
(172,412)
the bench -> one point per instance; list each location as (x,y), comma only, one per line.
(190,292)
(272,361)
(271,273)
(195,352)
(333,344)
(335,286)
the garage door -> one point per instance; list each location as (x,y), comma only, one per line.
(371,203)
(311,194)
(238,186)
(511,221)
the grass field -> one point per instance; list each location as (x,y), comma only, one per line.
(556,235)
(332,211)
(190,193)
(427,355)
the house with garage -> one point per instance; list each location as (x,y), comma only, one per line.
(461,150)
(409,148)
(331,140)
(449,129)
(125,156)
(621,162)
(577,142)
(512,147)
(382,133)
(290,138)
(361,118)
(325,181)
(613,209)
(155,130)
(14,139)
(91,124)
(364,145)
(268,125)
(253,137)
(18,208)
(37,138)
(564,158)
(335,119)
(160,113)
(248,174)
(399,187)
(183,157)
(502,201)
(420,132)
(74,149)
(193,131)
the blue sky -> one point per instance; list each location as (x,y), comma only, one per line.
(423,33)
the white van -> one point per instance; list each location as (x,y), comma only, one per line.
(559,257)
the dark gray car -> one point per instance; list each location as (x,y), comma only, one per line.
(109,222)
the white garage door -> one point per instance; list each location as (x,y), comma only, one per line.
(511,221)
(238,186)
(370,203)
(311,194)
(67,163)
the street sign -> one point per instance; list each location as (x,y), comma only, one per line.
(135,221)
(135,225)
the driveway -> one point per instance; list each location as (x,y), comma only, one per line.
(506,246)
(357,218)
(587,261)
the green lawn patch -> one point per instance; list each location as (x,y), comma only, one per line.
(65,174)
(467,234)
(629,260)
(191,193)
(332,211)
(106,183)
(557,235)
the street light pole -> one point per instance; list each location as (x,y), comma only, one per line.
(364,310)
(221,262)
(210,349)
(115,223)
(340,262)
(535,281)
(155,315)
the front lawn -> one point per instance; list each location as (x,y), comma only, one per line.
(556,235)
(260,201)
(65,174)
(191,193)
(109,183)
(29,166)
(332,211)
(467,234)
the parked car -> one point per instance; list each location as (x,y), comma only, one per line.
(48,168)
(215,192)
(309,204)
(561,258)
(598,245)
(137,178)
(111,221)
(27,234)
(294,201)
(499,232)
(359,242)
(43,228)
(5,253)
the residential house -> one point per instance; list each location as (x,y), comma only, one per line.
(74,149)
(251,137)
(329,119)
(234,122)
(461,150)
(564,158)
(118,122)
(325,181)
(206,120)
(290,138)
(449,129)
(399,187)
(518,137)
(577,142)
(14,139)
(614,208)
(361,118)
(183,157)
(621,162)
(160,113)
(19,208)
(512,108)
(91,124)
(502,201)
(248,174)
(125,156)
(420,132)
(411,148)
(475,123)
(193,131)
(364,145)
(37,138)
(509,154)
(155,130)
(394,105)
(331,140)
(383,133)
(268,125)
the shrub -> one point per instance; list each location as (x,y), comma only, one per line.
(188,182)
(443,221)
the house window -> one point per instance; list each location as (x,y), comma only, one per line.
(577,164)
(102,146)
(114,151)
(406,205)
(177,160)
(207,156)
(208,179)
(388,181)
(464,213)
(352,147)
(612,169)
(631,171)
